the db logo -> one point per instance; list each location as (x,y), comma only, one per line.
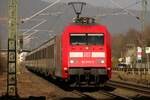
(87,62)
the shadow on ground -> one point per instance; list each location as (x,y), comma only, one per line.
(65,87)
(19,98)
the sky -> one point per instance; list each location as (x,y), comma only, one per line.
(133,4)
(124,23)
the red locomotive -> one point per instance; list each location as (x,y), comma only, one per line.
(81,55)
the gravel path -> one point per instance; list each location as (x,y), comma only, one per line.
(30,84)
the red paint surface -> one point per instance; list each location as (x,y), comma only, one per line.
(87,59)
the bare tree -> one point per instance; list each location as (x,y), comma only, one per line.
(118,42)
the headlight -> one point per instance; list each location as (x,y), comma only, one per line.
(71,61)
(109,68)
(102,61)
(65,68)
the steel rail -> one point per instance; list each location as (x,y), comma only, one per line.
(117,96)
(84,96)
(110,94)
(143,90)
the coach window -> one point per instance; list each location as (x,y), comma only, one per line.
(27,58)
(37,54)
(31,57)
(40,54)
(52,55)
(34,55)
(43,53)
(47,52)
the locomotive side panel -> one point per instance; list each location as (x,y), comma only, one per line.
(65,54)
(109,55)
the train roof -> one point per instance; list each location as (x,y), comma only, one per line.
(80,27)
(43,45)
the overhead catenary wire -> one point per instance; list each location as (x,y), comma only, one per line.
(53,26)
(27,37)
(39,12)
(57,19)
(128,6)
(121,11)
(34,26)
(124,9)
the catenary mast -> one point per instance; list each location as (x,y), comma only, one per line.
(12,50)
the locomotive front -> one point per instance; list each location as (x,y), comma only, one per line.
(86,54)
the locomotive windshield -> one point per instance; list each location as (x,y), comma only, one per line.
(87,39)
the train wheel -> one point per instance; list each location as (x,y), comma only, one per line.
(101,85)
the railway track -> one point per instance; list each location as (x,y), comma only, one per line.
(88,95)
(83,95)
(141,89)
(115,96)
(111,95)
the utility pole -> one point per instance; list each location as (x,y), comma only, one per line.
(143,15)
(12,49)
(144,7)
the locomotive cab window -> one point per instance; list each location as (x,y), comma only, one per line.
(78,39)
(95,39)
(87,39)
